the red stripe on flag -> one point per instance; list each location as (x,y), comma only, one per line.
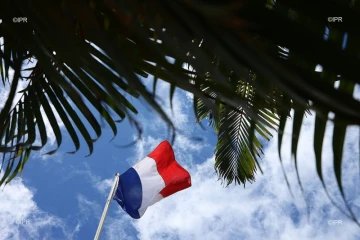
(176,178)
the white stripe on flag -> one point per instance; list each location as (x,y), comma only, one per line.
(151,181)
(156,199)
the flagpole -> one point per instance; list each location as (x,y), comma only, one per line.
(111,195)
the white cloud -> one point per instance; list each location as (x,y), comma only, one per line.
(101,185)
(21,218)
(182,120)
(87,209)
(184,148)
(189,96)
(263,210)
(318,68)
(177,114)
(4,92)
(49,130)
(143,148)
(104,185)
(117,228)
(357,92)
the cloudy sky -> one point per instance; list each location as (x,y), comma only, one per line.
(62,196)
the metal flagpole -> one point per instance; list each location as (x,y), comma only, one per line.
(111,195)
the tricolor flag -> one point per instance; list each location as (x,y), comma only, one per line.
(155,177)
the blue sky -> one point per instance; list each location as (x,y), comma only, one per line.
(62,196)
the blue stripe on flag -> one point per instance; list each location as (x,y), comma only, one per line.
(129,192)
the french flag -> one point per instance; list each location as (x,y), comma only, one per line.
(155,177)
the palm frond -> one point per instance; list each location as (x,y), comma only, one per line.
(238,147)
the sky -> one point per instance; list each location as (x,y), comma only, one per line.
(62,196)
